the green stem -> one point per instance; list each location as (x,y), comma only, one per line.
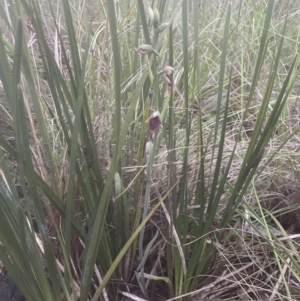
(150,164)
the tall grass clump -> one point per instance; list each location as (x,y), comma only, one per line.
(148,150)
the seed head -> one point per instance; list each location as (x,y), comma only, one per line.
(146,48)
(168,70)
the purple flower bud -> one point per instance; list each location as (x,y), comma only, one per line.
(154,122)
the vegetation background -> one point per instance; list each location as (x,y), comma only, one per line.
(97,205)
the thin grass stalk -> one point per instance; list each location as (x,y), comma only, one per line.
(137,187)
(141,152)
(144,22)
(181,223)
(5,75)
(280,104)
(213,204)
(219,103)
(185,64)
(150,164)
(196,69)
(67,286)
(117,66)
(171,159)
(200,197)
(136,41)
(163,9)
(119,238)
(260,56)
(72,40)
(121,216)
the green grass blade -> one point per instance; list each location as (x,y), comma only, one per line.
(117,66)
(261,52)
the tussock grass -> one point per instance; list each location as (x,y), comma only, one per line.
(211,211)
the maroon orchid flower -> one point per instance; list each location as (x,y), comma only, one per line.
(154,122)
